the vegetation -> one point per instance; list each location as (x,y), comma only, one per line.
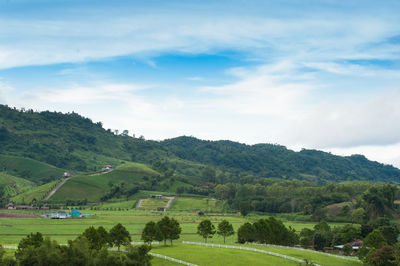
(35,250)
(206,229)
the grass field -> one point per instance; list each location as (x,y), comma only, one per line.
(29,169)
(217,256)
(12,230)
(93,187)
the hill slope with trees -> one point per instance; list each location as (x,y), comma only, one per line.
(70,141)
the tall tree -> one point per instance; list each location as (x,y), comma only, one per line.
(169,228)
(119,236)
(206,229)
(151,232)
(225,229)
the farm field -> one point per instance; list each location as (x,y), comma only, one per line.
(12,230)
(93,187)
(37,193)
(204,204)
(152,204)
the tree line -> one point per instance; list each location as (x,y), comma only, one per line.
(91,248)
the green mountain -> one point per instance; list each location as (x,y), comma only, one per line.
(70,141)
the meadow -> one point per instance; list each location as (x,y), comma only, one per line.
(12,230)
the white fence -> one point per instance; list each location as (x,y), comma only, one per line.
(142,243)
(308,250)
(172,259)
(248,249)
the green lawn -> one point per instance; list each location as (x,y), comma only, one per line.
(219,256)
(319,258)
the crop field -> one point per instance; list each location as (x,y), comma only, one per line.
(152,204)
(93,187)
(37,193)
(12,230)
(28,168)
(203,204)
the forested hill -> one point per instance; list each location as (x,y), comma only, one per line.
(70,141)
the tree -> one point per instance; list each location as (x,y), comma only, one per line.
(151,232)
(244,208)
(119,236)
(357,215)
(375,240)
(384,256)
(206,229)
(169,228)
(246,233)
(347,249)
(97,238)
(320,241)
(305,241)
(225,229)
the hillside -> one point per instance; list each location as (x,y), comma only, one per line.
(70,141)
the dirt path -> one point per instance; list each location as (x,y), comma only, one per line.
(56,188)
(138,204)
(170,199)
(169,202)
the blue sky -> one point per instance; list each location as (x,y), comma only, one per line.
(305,74)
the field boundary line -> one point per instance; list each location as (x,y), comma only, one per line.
(172,259)
(248,249)
(58,186)
(308,250)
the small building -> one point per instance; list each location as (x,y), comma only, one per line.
(45,208)
(156,196)
(75,213)
(107,168)
(67,174)
(62,215)
(11,206)
(162,209)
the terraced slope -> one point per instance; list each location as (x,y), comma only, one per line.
(93,187)
(30,169)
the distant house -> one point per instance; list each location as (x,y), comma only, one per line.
(45,208)
(355,244)
(162,209)
(11,206)
(156,196)
(75,213)
(67,174)
(62,215)
(107,168)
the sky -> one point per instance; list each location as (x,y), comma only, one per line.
(305,74)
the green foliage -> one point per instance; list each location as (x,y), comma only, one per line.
(206,229)
(169,228)
(33,250)
(151,232)
(119,236)
(383,256)
(375,240)
(225,229)
(98,238)
(87,146)
(347,249)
